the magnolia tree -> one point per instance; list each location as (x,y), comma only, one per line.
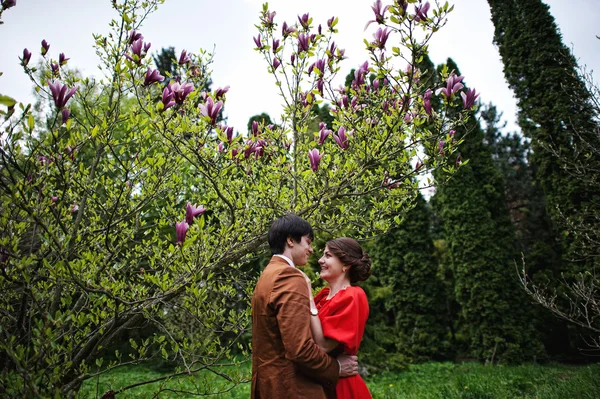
(127,202)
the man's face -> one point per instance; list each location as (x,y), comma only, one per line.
(301,250)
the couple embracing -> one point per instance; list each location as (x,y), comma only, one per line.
(305,347)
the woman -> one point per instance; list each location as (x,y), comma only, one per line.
(340,310)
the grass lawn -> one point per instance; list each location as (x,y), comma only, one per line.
(432,380)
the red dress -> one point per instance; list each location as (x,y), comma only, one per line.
(343,318)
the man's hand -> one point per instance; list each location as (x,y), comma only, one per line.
(348,365)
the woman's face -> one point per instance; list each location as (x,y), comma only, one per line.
(331,266)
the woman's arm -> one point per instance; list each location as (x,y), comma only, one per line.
(326,344)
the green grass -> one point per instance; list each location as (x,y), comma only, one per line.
(427,381)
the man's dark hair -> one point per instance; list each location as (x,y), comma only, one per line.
(288,226)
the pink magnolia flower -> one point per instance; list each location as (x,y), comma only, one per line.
(379,12)
(167,97)
(421,12)
(453,84)
(427,102)
(65,115)
(315,158)
(181,229)
(220,92)
(45,47)
(26,57)
(191,211)
(184,58)
(60,94)
(181,91)
(152,77)
(469,98)
(323,133)
(341,138)
(276,63)
(381,37)
(211,109)
(304,21)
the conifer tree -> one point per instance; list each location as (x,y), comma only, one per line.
(480,239)
(554,111)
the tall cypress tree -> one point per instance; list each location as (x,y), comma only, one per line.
(554,110)
(481,246)
(404,264)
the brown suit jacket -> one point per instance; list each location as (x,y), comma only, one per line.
(286,362)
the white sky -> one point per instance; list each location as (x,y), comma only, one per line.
(229,25)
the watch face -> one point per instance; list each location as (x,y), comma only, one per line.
(314,312)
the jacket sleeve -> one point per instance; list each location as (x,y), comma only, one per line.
(290,300)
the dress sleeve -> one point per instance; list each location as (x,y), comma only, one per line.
(341,322)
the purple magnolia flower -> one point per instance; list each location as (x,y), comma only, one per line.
(275,45)
(255,131)
(6,4)
(330,22)
(268,21)
(276,63)
(402,6)
(341,138)
(234,153)
(139,49)
(381,37)
(211,109)
(181,231)
(133,36)
(304,21)
(220,92)
(26,57)
(419,165)
(323,133)
(379,13)
(344,101)
(45,47)
(153,77)
(458,160)
(315,158)
(228,130)
(167,97)
(293,59)
(221,146)
(303,42)
(441,147)
(469,98)
(191,211)
(320,85)
(184,58)
(427,101)
(320,65)
(60,93)
(319,29)
(65,115)
(421,12)
(62,59)
(286,31)
(360,73)
(181,91)
(257,41)
(452,86)
(250,148)
(54,199)
(451,133)
(54,68)
(74,208)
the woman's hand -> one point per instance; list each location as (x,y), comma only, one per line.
(308,283)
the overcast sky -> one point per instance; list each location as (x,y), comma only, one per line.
(228,25)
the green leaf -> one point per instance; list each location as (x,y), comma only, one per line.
(7,101)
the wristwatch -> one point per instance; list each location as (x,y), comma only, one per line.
(314,312)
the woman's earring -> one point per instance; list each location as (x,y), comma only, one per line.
(344,269)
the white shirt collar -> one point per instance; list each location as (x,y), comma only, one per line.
(288,260)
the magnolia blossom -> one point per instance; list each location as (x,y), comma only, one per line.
(304,20)
(221,146)
(60,94)
(275,45)
(276,63)
(181,229)
(330,22)
(254,128)
(167,97)
(45,47)
(65,115)
(257,41)
(469,98)
(220,92)
(427,101)
(268,21)
(341,138)
(74,208)
(323,133)
(303,42)
(181,91)
(315,158)
(133,36)
(228,130)
(458,160)
(453,84)
(421,12)
(184,58)
(54,68)
(286,31)
(381,37)
(191,211)
(139,49)
(379,13)
(26,57)
(62,59)
(441,147)
(153,77)
(211,109)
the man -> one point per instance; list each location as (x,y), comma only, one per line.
(286,362)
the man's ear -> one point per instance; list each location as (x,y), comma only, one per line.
(290,242)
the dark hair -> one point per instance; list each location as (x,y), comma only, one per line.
(288,226)
(351,254)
